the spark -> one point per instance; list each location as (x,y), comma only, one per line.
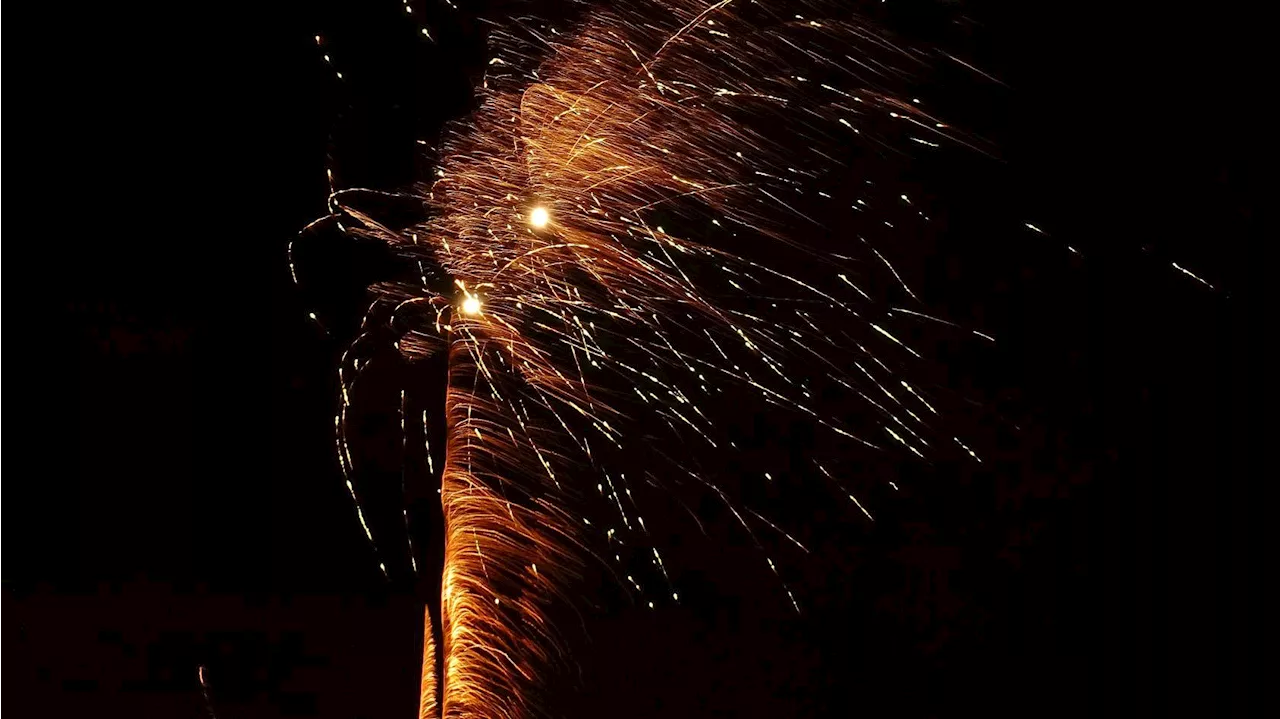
(204,691)
(1192,275)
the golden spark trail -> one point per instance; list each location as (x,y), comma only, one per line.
(429,686)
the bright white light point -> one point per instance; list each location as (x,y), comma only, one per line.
(539,217)
(471,305)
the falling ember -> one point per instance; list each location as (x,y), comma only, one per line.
(621,333)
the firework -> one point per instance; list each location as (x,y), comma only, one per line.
(591,271)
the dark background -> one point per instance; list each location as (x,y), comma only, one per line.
(173,502)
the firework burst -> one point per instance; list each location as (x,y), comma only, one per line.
(592,274)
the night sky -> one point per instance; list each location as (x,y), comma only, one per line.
(174,501)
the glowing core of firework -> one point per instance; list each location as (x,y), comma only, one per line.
(471,305)
(539,218)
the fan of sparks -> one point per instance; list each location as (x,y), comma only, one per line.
(624,244)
